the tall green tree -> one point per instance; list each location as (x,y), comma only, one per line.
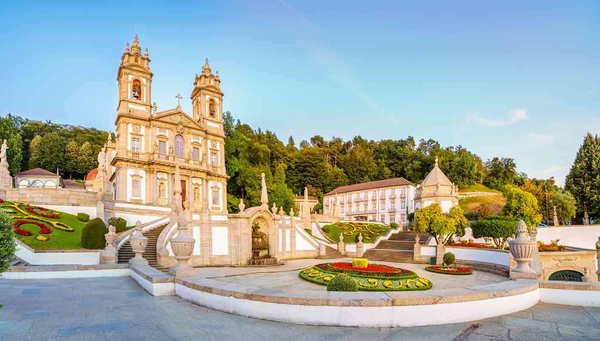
(10,131)
(583,180)
(500,172)
(565,206)
(521,204)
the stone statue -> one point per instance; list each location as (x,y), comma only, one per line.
(264,196)
(360,238)
(260,243)
(274,209)
(281,211)
(3,151)
(242,206)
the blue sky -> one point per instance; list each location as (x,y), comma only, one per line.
(501,78)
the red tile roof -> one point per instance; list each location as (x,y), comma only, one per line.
(372,185)
(91,175)
(37,171)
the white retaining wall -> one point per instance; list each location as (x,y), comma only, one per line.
(56,258)
(583,236)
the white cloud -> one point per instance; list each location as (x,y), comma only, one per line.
(511,117)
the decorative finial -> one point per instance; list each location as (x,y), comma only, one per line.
(206,68)
(264,196)
(178,100)
(242,206)
(127,47)
(305,193)
(146,52)
(436,161)
(135,39)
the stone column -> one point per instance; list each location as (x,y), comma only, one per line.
(138,244)
(109,254)
(417,250)
(342,245)
(522,249)
(292,236)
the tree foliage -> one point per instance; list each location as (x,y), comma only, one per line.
(521,205)
(565,206)
(7,242)
(442,226)
(498,228)
(583,180)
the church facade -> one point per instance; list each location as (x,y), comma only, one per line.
(138,166)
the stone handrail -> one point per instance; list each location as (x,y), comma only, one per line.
(165,236)
(124,236)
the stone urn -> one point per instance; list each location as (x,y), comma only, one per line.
(522,249)
(138,244)
(183,244)
(109,254)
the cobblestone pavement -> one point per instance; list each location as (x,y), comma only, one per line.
(118,309)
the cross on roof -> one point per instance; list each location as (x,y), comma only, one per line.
(178,99)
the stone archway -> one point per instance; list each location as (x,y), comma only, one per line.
(263,240)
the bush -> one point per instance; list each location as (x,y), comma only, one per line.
(7,242)
(119,223)
(84,217)
(394,225)
(498,228)
(449,258)
(360,262)
(92,235)
(342,282)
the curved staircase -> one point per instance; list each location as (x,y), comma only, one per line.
(125,253)
(398,248)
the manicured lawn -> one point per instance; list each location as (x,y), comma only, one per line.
(478,188)
(495,203)
(351,230)
(59,238)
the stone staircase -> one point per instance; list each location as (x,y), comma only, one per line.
(398,248)
(331,253)
(125,253)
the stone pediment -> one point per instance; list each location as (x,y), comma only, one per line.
(176,117)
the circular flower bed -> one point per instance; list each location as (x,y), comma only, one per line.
(375,277)
(17,227)
(42,212)
(450,270)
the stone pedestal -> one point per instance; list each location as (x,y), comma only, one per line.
(183,245)
(522,249)
(440,249)
(138,244)
(109,254)
(360,246)
(598,258)
(417,250)
(342,245)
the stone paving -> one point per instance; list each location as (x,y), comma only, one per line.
(118,309)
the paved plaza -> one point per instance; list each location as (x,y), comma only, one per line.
(118,309)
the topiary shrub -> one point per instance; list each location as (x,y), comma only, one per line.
(342,282)
(394,225)
(92,235)
(119,223)
(449,258)
(7,242)
(498,228)
(84,217)
(360,262)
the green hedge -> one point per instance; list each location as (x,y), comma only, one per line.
(92,236)
(119,223)
(498,228)
(83,217)
(342,282)
(7,242)
(449,258)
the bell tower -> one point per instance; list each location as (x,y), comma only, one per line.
(135,82)
(207,98)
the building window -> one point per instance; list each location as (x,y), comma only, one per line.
(215,196)
(162,148)
(212,108)
(214,158)
(135,145)
(195,154)
(179,146)
(162,193)
(136,89)
(136,187)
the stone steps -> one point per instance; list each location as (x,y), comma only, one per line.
(125,253)
(398,248)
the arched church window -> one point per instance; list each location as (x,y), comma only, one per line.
(136,89)
(215,196)
(212,108)
(179,147)
(197,193)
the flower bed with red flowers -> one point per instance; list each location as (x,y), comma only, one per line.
(17,227)
(472,244)
(450,270)
(550,248)
(376,277)
(42,212)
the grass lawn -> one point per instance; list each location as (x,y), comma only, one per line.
(59,239)
(351,230)
(494,203)
(478,188)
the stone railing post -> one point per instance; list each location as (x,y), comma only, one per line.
(522,248)
(598,258)
(342,245)
(109,254)
(138,244)
(417,250)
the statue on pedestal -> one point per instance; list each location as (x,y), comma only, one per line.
(5,178)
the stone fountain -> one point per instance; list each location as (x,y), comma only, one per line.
(260,248)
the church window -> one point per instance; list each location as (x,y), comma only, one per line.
(179,146)
(135,145)
(215,196)
(162,148)
(195,154)
(197,193)
(162,193)
(212,108)
(136,89)
(214,159)
(136,187)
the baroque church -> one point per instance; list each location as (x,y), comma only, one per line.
(139,164)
